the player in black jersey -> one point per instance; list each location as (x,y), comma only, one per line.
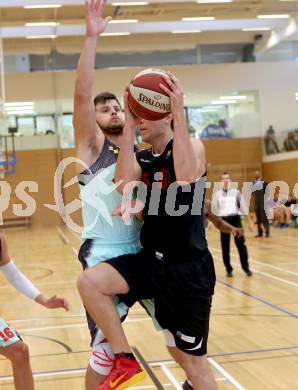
(175,266)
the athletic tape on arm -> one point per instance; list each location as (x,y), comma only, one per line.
(17,279)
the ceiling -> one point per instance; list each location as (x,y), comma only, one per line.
(156,21)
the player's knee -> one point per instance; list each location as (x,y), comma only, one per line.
(196,365)
(19,353)
(84,282)
(91,278)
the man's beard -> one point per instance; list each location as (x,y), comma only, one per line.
(111,129)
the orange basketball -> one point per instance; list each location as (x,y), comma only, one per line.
(145,98)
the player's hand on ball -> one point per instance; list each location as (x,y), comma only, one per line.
(130,119)
(174,91)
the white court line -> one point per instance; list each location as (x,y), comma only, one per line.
(274,267)
(45,374)
(262,273)
(265,245)
(66,240)
(128,320)
(290,238)
(46,318)
(287,262)
(43,283)
(171,362)
(226,374)
(259,272)
(53,327)
(68,316)
(83,370)
(149,386)
(74,234)
(275,278)
(261,263)
(171,377)
(75,251)
(63,236)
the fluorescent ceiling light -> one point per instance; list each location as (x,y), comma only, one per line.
(34,24)
(198,18)
(256,29)
(41,36)
(275,16)
(21,112)
(13,104)
(130,3)
(214,1)
(43,6)
(222,102)
(19,108)
(214,109)
(114,34)
(236,97)
(185,31)
(124,21)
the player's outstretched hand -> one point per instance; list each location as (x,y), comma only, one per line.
(95,22)
(53,302)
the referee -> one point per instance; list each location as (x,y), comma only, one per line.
(229,204)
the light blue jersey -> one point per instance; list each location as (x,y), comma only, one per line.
(104,236)
(8,335)
(99,198)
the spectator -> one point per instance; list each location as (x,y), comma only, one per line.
(291,210)
(270,141)
(289,142)
(259,188)
(281,213)
(296,138)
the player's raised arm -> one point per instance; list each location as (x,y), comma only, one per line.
(127,169)
(87,134)
(189,154)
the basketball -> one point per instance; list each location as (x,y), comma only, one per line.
(145,97)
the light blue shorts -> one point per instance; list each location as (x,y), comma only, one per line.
(8,335)
(93,252)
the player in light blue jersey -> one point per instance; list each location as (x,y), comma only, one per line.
(98,125)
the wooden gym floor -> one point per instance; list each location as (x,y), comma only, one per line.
(253,341)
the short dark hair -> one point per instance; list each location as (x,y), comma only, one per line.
(225,173)
(103,97)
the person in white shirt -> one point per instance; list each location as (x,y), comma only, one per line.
(229,204)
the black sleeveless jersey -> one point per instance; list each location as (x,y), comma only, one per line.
(174,223)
